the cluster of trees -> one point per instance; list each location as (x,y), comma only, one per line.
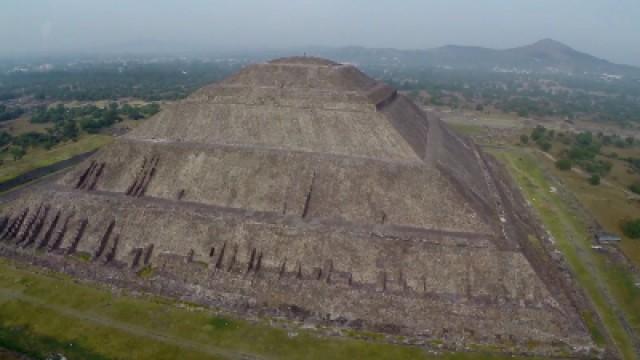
(542,137)
(7,114)
(523,94)
(617,141)
(91,118)
(68,122)
(17,146)
(582,150)
(585,150)
(92,82)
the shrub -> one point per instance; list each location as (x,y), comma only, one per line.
(5,138)
(563,164)
(538,133)
(545,146)
(17,152)
(631,228)
(524,139)
(635,187)
(596,167)
(594,180)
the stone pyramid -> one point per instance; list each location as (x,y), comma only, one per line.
(303,188)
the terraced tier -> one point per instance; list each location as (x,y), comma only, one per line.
(303,187)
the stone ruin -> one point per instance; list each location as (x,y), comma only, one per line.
(303,188)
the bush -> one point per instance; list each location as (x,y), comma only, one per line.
(544,145)
(524,139)
(538,133)
(594,180)
(17,152)
(631,228)
(5,138)
(635,187)
(597,167)
(563,164)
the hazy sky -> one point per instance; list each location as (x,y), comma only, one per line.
(605,28)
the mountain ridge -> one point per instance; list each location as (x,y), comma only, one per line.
(543,56)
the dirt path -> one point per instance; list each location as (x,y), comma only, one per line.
(215,352)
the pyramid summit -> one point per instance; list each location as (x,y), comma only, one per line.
(303,188)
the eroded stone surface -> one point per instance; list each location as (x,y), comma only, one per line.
(303,184)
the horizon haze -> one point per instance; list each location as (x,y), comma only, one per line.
(606,30)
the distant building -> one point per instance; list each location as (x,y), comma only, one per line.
(606,237)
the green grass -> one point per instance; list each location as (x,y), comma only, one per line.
(220,323)
(599,277)
(37,158)
(608,203)
(24,125)
(468,129)
(82,256)
(23,340)
(146,272)
(49,313)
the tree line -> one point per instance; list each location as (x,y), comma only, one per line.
(527,95)
(7,113)
(93,82)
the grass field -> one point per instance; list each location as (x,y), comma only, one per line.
(607,284)
(608,203)
(469,130)
(43,314)
(36,158)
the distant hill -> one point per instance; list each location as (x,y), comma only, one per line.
(546,56)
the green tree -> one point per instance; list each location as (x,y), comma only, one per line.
(594,180)
(17,152)
(544,145)
(70,130)
(538,133)
(563,164)
(585,138)
(635,187)
(524,139)
(5,138)
(631,228)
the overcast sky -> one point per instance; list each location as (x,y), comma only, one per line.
(605,28)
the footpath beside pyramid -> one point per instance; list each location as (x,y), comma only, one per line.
(303,188)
